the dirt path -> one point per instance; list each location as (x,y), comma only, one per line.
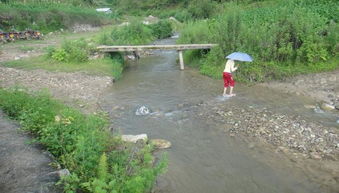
(23,167)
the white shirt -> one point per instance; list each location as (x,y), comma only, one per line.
(229,67)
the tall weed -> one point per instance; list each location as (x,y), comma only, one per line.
(285,34)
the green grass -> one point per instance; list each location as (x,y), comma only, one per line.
(26,48)
(261,72)
(98,161)
(104,66)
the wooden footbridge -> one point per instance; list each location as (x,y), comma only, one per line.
(179,47)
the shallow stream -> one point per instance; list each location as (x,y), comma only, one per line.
(202,158)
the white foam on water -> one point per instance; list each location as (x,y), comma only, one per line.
(223,98)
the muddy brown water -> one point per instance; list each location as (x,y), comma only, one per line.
(202,158)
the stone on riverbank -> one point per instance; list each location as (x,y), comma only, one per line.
(134,138)
(161,143)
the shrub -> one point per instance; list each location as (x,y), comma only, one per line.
(71,51)
(162,29)
(135,34)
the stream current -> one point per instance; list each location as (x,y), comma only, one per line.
(202,157)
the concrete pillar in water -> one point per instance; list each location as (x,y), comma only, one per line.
(181,59)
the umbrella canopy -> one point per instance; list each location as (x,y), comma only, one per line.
(240,57)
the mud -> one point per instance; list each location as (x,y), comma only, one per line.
(23,167)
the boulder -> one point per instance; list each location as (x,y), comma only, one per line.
(59,174)
(134,138)
(161,143)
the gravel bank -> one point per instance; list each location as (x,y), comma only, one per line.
(65,86)
(284,132)
(321,86)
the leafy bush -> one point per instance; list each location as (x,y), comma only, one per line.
(162,29)
(201,9)
(97,160)
(135,34)
(71,51)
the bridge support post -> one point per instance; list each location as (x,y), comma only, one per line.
(181,59)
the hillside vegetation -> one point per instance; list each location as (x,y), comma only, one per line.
(284,37)
(48,15)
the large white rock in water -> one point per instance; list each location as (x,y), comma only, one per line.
(161,143)
(142,111)
(134,138)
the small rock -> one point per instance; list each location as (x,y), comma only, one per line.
(323,81)
(134,138)
(338,121)
(17,58)
(63,173)
(327,107)
(60,173)
(315,156)
(161,143)
(181,105)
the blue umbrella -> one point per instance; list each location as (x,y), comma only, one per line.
(240,57)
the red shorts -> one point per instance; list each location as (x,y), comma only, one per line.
(228,79)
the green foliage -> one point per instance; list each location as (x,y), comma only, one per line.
(135,34)
(117,65)
(162,29)
(47,15)
(98,161)
(71,51)
(201,9)
(59,55)
(283,35)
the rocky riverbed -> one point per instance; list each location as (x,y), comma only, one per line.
(323,87)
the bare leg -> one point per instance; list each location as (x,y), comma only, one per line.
(231,91)
(225,89)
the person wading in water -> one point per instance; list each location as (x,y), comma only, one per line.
(227,76)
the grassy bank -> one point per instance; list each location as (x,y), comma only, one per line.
(284,37)
(48,16)
(103,66)
(97,160)
(82,55)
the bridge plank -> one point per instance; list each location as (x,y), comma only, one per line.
(128,48)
